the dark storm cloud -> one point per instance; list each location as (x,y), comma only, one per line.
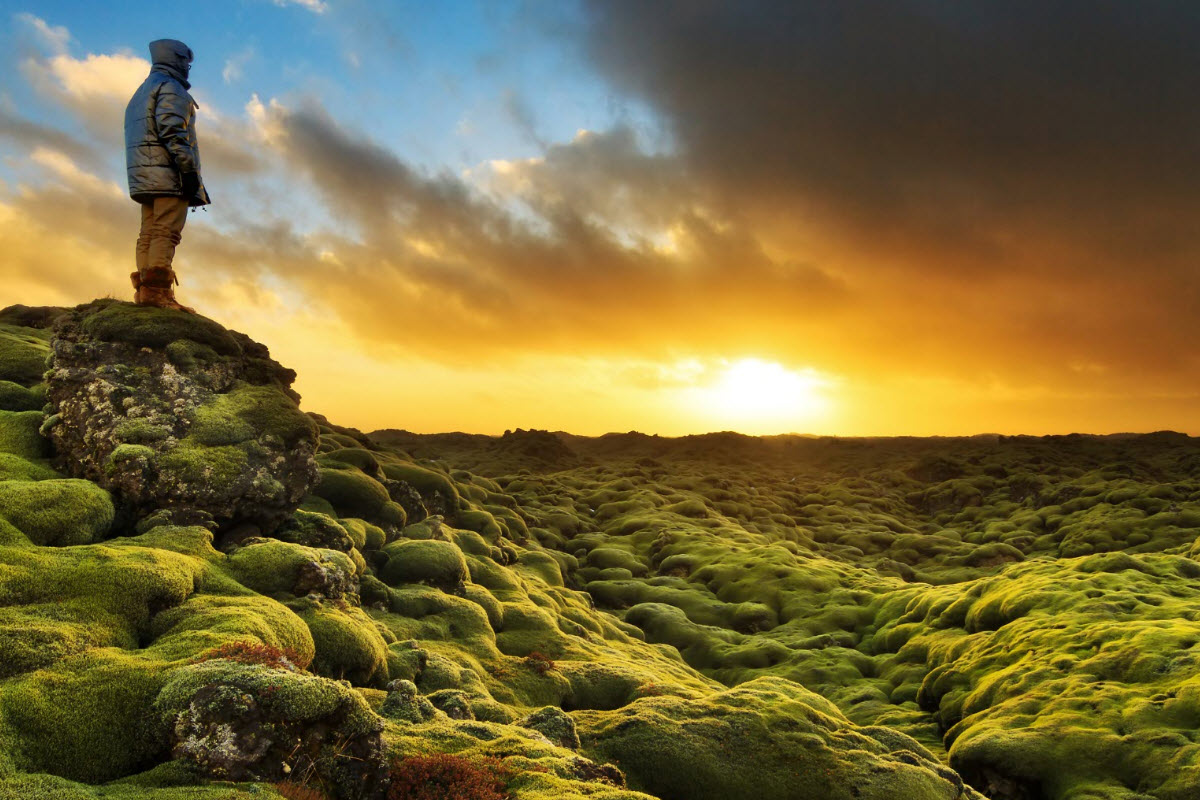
(1033,166)
(900,113)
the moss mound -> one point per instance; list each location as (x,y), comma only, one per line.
(757,740)
(432,562)
(23,353)
(57,512)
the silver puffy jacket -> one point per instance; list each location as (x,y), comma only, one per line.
(160,130)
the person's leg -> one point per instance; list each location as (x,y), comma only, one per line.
(143,240)
(166,228)
(158,278)
(142,250)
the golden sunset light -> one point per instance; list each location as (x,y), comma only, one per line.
(755,396)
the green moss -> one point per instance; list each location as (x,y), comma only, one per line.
(122,454)
(490,605)
(392,516)
(214,426)
(205,621)
(144,326)
(19,435)
(313,529)
(611,557)
(22,355)
(273,567)
(43,787)
(123,584)
(287,695)
(348,644)
(15,397)
(85,718)
(318,505)
(406,661)
(481,522)
(405,703)
(432,562)
(15,468)
(352,493)
(10,536)
(194,464)
(36,636)
(249,412)
(604,686)
(425,529)
(768,738)
(139,430)
(366,537)
(357,457)
(57,512)
(426,481)
(944,608)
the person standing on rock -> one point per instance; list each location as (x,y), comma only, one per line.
(162,161)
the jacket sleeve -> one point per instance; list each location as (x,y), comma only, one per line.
(172,116)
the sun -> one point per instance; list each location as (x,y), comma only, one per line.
(752,395)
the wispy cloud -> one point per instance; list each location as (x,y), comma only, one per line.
(55,38)
(316,6)
(105,77)
(235,65)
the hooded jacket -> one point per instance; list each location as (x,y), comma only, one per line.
(160,131)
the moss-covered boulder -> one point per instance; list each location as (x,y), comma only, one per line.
(235,721)
(57,512)
(404,702)
(555,724)
(19,435)
(428,561)
(172,412)
(23,353)
(273,568)
(349,645)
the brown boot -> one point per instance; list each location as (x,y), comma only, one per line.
(136,279)
(158,290)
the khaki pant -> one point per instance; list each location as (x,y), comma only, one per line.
(162,227)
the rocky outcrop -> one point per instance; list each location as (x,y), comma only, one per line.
(538,449)
(555,724)
(244,722)
(178,417)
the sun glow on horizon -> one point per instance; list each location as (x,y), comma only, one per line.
(755,396)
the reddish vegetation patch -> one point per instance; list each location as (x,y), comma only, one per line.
(538,662)
(444,776)
(296,791)
(254,653)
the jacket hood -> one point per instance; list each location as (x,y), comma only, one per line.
(173,57)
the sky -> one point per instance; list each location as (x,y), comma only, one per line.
(900,217)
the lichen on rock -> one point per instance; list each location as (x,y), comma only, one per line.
(236,721)
(174,413)
(555,724)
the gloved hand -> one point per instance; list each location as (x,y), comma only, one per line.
(191,184)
